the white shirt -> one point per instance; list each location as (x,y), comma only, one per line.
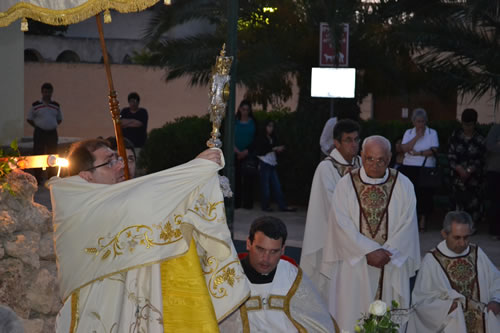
(429,140)
(326,138)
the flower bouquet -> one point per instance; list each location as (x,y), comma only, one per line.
(378,319)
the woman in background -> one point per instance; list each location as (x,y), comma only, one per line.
(267,149)
(245,161)
(419,144)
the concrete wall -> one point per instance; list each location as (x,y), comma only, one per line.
(82,91)
(485,107)
(11,83)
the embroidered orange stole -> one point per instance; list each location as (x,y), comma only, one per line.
(373,203)
(462,274)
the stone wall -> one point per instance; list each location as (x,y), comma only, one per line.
(28,272)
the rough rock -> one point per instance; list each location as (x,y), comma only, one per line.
(42,292)
(46,251)
(28,272)
(12,288)
(7,224)
(33,325)
(25,247)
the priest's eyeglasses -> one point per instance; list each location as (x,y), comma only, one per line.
(111,163)
(378,161)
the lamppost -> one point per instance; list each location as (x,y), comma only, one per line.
(232,30)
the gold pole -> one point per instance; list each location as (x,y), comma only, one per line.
(113,101)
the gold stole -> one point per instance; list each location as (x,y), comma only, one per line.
(373,203)
(341,168)
(187,306)
(462,274)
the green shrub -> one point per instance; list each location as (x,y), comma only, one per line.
(175,143)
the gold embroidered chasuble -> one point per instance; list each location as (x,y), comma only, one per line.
(463,277)
(342,168)
(118,248)
(373,202)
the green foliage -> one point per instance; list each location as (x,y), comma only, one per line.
(7,162)
(371,323)
(175,143)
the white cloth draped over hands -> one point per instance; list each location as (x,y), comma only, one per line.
(433,295)
(101,230)
(354,283)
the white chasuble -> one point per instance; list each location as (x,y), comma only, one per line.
(369,214)
(290,303)
(469,278)
(118,246)
(326,177)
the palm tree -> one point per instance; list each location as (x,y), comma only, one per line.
(457,41)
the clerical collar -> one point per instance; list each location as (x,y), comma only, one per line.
(373,181)
(449,253)
(254,276)
(335,154)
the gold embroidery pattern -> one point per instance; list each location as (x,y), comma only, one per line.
(137,235)
(253,303)
(373,201)
(462,274)
(70,15)
(220,278)
(277,302)
(343,169)
(75,311)
(206,209)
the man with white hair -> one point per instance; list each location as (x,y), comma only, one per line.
(458,287)
(372,245)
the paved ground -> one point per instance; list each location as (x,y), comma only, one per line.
(296,222)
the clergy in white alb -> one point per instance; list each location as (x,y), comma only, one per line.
(343,158)
(372,247)
(282,299)
(457,288)
(127,253)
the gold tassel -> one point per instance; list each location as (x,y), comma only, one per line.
(167,2)
(24,24)
(107,16)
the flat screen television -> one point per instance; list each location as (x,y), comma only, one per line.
(333,82)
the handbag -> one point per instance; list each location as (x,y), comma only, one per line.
(430,177)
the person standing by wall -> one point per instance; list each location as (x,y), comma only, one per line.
(267,148)
(419,144)
(466,150)
(45,115)
(134,121)
(245,161)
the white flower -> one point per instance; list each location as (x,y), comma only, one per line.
(378,308)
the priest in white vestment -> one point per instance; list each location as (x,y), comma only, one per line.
(343,158)
(372,247)
(282,299)
(457,288)
(146,254)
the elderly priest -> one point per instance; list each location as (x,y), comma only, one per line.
(372,246)
(458,287)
